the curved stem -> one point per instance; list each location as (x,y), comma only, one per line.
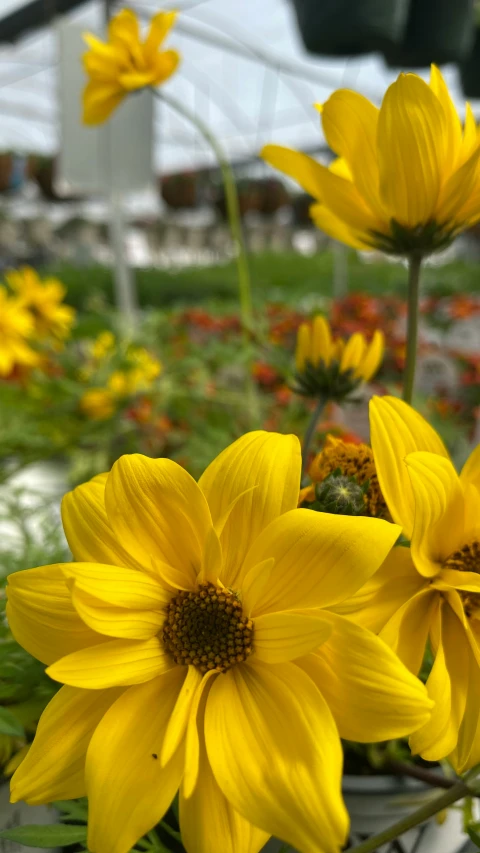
(311,429)
(456,792)
(233,210)
(414,266)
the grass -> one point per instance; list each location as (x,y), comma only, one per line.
(287,277)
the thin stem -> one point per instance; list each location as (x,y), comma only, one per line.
(311,429)
(402,768)
(459,790)
(233,210)
(414,266)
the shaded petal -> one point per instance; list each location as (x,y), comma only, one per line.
(370,693)
(114,663)
(157,511)
(343,199)
(396,581)
(407,631)
(87,529)
(439,511)
(100,100)
(312,550)
(303,350)
(195,734)
(126,747)
(42,617)
(467,751)
(267,461)
(470,473)
(396,430)
(54,768)
(337,229)
(321,340)
(302,168)
(228,832)
(372,359)
(276,723)
(447,685)
(456,191)
(411,150)
(177,725)
(281,637)
(116,621)
(119,586)
(353,352)
(453,125)
(165,65)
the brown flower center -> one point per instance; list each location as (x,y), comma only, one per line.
(353,460)
(207,628)
(467,559)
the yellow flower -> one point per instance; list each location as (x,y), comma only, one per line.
(124,63)
(16,326)
(430,591)
(102,345)
(139,377)
(332,367)
(98,403)
(196,652)
(406,178)
(44,300)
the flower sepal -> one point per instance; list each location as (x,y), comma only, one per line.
(326,381)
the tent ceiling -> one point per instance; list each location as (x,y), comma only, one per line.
(244,70)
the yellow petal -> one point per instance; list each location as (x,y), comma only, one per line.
(160,26)
(470,474)
(100,100)
(133,80)
(165,65)
(453,125)
(439,511)
(467,751)
(337,229)
(353,352)
(254,584)
(321,340)
(370,693)
(228,832)
(373,356)
(54,768)
(469,141)
(157,511)
(195,735)
(177,725)
(126,747)
(407,630)
(312,550)
(271,463)
(396,581)
(457,191)
(343,199)
(447,685)
(114,663)
(212,562)
(42,617)
(281,637)
(396,430)
(275,722)
(349,123)
(454,579)
(114,621)
(303,352)
(302,168)
(118,586)
(411,150)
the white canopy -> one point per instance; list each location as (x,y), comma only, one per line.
(244,70)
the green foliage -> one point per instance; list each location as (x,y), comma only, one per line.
(55,835)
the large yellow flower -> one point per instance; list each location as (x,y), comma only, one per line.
(16,326)
(330,367)
(196,652)
(44,299)
(430,591)
(125,63)
(406,178)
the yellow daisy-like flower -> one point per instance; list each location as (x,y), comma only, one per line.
(196,653)
(406,178)
(332,367)
(125,63)
(103,345)
(16,326)
(44,299)
(430,591)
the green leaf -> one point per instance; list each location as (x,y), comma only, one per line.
(9,725)
(474,835)
(56,835)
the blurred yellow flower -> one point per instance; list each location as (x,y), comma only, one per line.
(430,591)
(44,300)
(103,345)
(332,367)
(125,63)
(197,651)
(98,403)
(16,327)
(406,178)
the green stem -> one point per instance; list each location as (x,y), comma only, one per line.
(459,790)
(233,210)
(311,429)
(414,266)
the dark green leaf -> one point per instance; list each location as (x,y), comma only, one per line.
(474,835)
(9,725)
(56,835)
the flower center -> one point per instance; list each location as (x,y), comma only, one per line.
(467,559)
(207,628)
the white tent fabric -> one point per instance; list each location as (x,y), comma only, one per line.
(244,71)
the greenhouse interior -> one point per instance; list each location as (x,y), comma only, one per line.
(240,426)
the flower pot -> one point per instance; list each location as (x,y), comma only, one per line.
(437,31)
(376,802)
(19,814)
(349,27)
